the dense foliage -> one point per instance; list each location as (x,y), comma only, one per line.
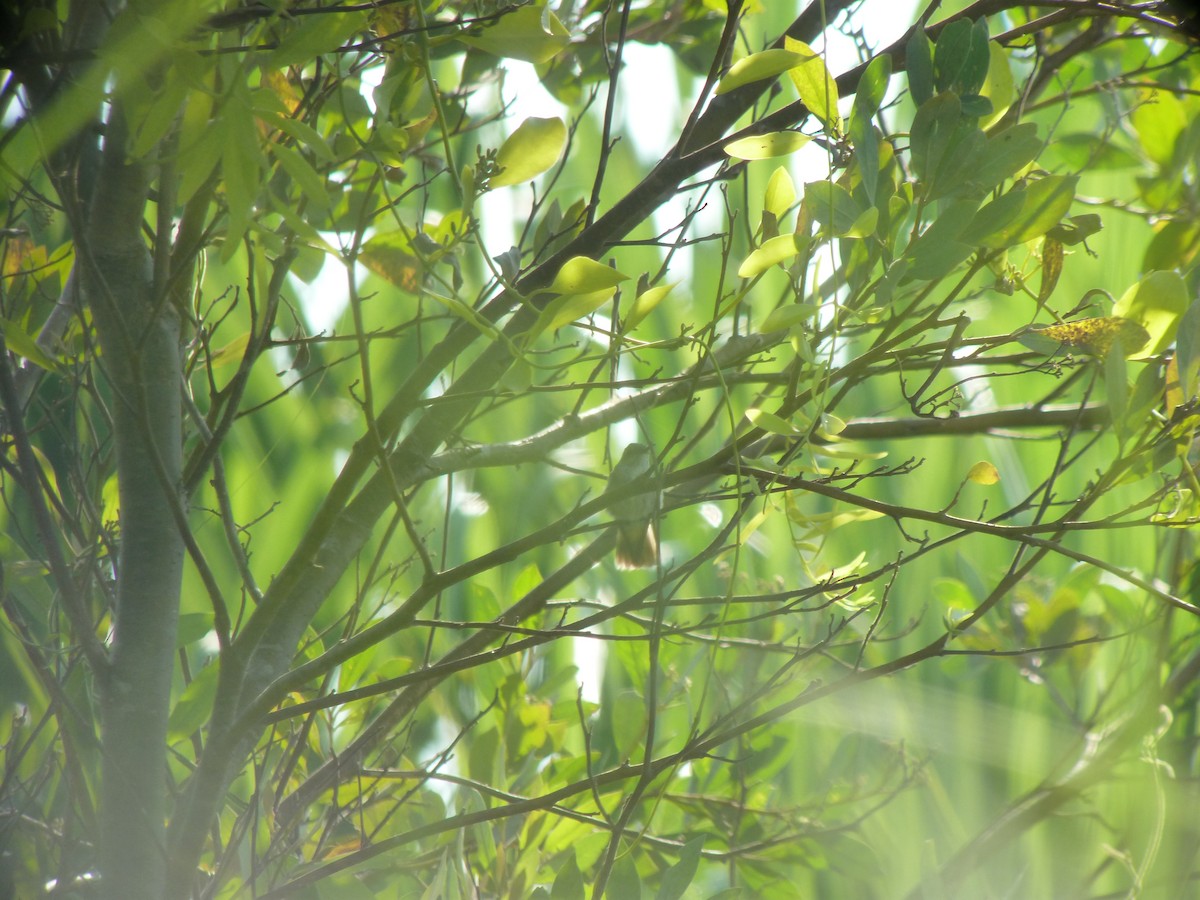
(323,325)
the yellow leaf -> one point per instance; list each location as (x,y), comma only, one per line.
(983,472)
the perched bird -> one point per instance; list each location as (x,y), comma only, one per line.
(637,544)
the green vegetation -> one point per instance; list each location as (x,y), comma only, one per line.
(323,328)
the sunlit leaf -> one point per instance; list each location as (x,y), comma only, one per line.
(759,66)
(776,250)
(1052,260)
(768,421)
(1157,303)
(814,83)
(1097,335)
(532,33)
(1046,202)
(983,472)
(232,352)
(766,146)
(780,194)
(529,151)
(22,343)
(580,275)
(645,303)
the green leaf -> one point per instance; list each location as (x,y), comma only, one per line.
(310,37)
(1158,120)
(533,148)
(580,275)
(563,310)
(765,146)
(1187,350)
(568,884)
(1046,202)
(835,208)
(1158,302)
(940,248)
(975,68)
(950,55)
(1004,154)
(305,176)
(814,83)
(930,135)
(624,882)
(194,706)
(757,67)
(192,627)
(787,316)
(241,164)
(865,138)
(677,878)
(994,216)
(760,418)
(531,33)
(1076,229)
(776,250)
(919,66)
(872,86)
(22,343)
(1175,245)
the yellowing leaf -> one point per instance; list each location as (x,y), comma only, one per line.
(1052,260)
(1097,335)
(529,151)
(390,256)
(983,472)
(765,146)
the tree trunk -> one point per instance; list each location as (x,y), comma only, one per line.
(140,359)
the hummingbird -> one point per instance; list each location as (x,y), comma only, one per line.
(637,544)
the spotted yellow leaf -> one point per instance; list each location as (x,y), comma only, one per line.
(1097,335)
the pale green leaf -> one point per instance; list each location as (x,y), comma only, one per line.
(1157,303)
(767,421)
(531,33)
(580,275)
(22,343)
(776,250)
(814,83)
(533,148)
(780,194)
(757,67)
(998,86)
(766,146)
(645,302)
